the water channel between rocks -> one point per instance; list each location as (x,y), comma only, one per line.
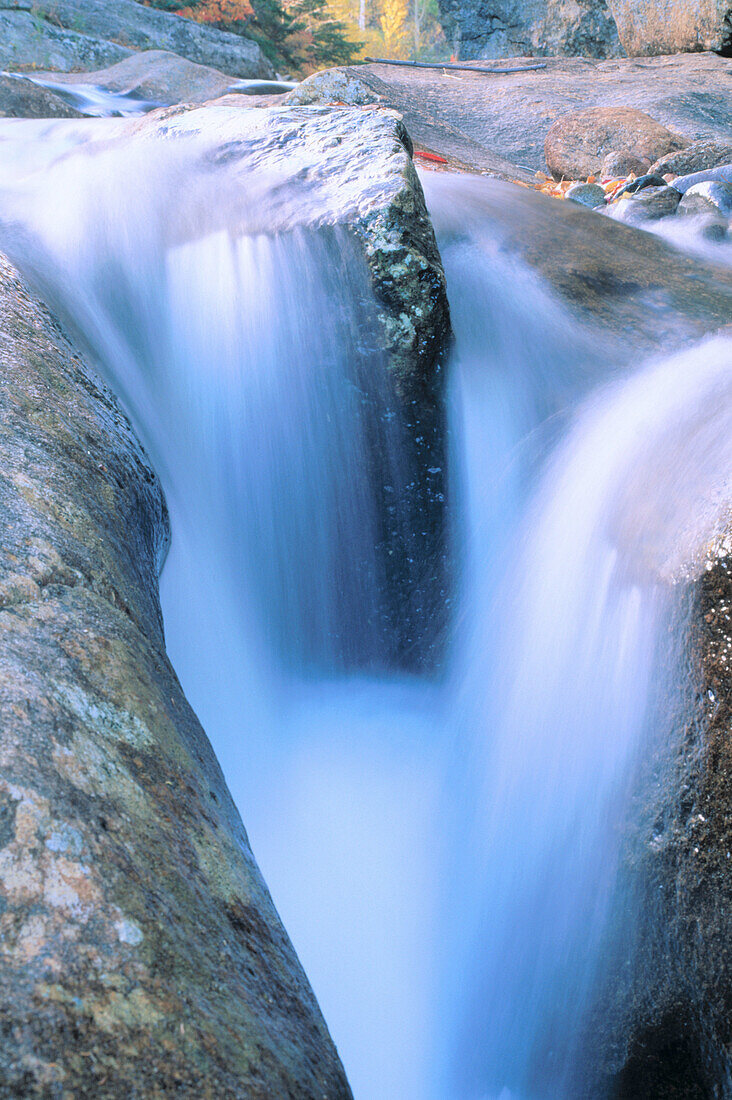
(443,846)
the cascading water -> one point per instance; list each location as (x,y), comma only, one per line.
(443,851)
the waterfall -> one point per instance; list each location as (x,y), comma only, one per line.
(444,849)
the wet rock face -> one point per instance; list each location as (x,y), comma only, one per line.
(140,953)
(124,26)
(514,28)
(673,26)
(352,168)
(20,98)
(665,1021)
(155,75)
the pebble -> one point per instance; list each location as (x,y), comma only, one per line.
(587,194)
(649,180)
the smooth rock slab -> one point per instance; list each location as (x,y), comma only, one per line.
(578,143)
(140,953)
(155,75)
(497,124)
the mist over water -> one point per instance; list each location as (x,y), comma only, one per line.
(443,848)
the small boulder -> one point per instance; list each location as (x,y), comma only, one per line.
(646,205)
(578,143)
(332,86)
(587,194)
(619,165)
(697,157)
(722,172)
(713,197)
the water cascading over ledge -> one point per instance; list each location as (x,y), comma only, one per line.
(142,953)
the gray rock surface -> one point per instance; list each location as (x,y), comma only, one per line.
(577,143)
(508,28)
(141,954)
(672,26)
(20,98)
(28,42)
(135,27)
(154,75)
(496,124)
(697,157)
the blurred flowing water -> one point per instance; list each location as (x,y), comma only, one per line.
(443,847)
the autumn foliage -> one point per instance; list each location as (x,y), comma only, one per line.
(219,12)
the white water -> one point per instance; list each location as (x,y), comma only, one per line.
(443,852)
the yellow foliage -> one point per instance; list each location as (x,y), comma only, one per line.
(393,23)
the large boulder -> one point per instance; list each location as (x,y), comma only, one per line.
(141,954)
(672,26)
(578,143)
(132,26)
(513,28)
(20,98)
(352,168)
(29,42)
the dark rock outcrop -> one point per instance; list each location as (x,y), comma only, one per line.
(140,952)
(20,98)
(123,26)
(673,26)
(663,1024)
(511,28)
(578,143)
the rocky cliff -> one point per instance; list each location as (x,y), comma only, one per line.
(67,35)
(514,28)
